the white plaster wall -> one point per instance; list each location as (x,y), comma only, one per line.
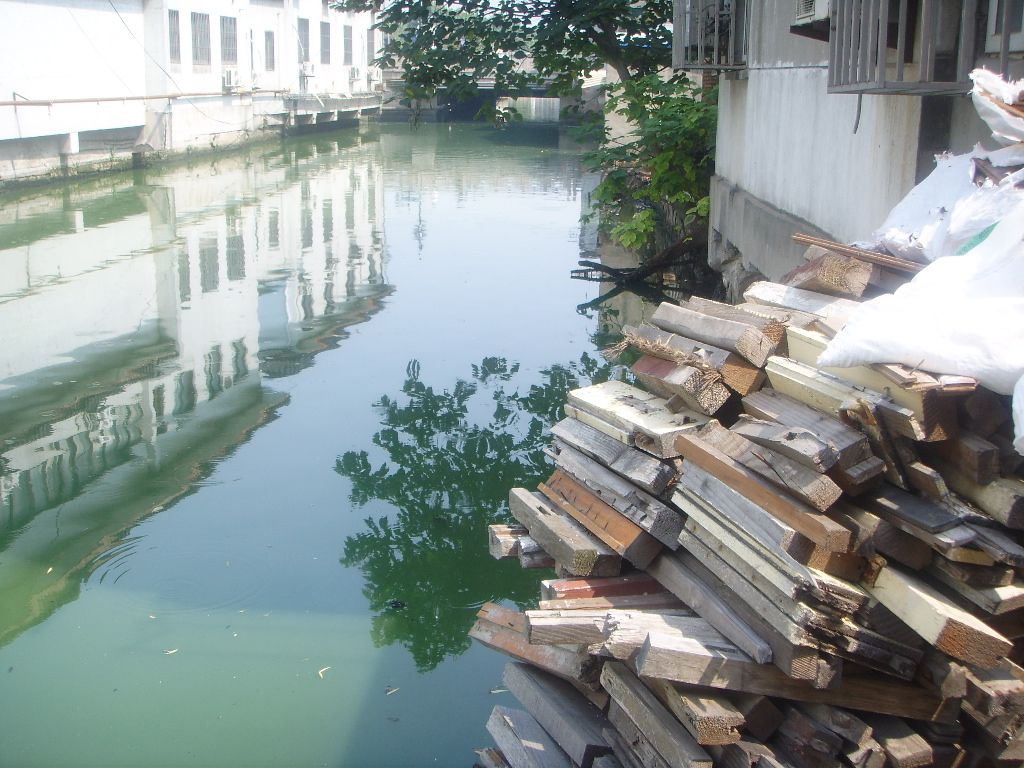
(71,49)
(783,139)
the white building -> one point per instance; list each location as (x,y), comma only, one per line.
(88,83)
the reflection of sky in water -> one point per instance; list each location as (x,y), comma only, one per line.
(186,355)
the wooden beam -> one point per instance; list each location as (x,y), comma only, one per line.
(636,505)
(564,713)
(562,537)
(811,487)
(695,593)
(665,733)
(683,660)
(823,531)
(643,416)
(739,375)
(700,388)
(523,741)
(937,619)
(742,338)
(709,717)
(619,534)
(801,445)
(835,310)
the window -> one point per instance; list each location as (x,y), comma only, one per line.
(201,39)
(347,50)
(325,42)
(709,34)
(228,40)
(303,40)
(174,37)
(1013,13)
(268,51)
(370,52)
(877,46)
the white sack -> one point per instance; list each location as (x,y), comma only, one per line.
(962,315)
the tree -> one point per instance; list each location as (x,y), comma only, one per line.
(453,44)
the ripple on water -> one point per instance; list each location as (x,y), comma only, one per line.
(196,578)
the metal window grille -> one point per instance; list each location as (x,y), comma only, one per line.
(1004,33)
(228,40)
(902,46)
(325,42)
(269,59)
(201,39)
(303,40)
(174,37)
(347,49)
(710,34)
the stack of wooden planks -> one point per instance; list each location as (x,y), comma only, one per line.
(761,562)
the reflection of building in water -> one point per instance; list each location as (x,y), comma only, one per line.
(136,321)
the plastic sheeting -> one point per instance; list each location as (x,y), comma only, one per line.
(961,315)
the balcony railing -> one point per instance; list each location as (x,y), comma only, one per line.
(710,34)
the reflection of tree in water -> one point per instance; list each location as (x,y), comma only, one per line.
(453,458)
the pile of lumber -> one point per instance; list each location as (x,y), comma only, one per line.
(761,562)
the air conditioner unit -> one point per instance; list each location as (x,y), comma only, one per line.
(376,74)
(308,70)
(230,79)
(809,11)
(353,73)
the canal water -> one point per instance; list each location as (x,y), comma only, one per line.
(256,412)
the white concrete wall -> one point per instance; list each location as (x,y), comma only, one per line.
(64,50)
(790,156)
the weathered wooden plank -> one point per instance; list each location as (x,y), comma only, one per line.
(503,540)
(889,501)
(562,537)
(811,487)
(801,445)
(649,513)
(1003,498)
(973,456)
(992,600)
(983,412)
(683,660)
(860,478)
(524,743)
(644,416)
(709,717)
(873,534)
(740,375)
(700,388)
(817,527)
(740,337)
(561,627)
(648,472)
(629,743)
(628,584)
(830,394)
(770,405)
(617,532)
(665,733)
(761,717)
(839,721)
(995,575)
(935,412)
(625,631)
(567,662)
(937,619)
(836,310)
(699,596)
(771,327)
(745,518)
(998,545)
(565,714)
(904,747)
(652,601)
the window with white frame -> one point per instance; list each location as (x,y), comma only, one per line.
(174,37)
(228,40)
(201,39)
(347,49)
(303,40)
(325,42)
(269,53)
